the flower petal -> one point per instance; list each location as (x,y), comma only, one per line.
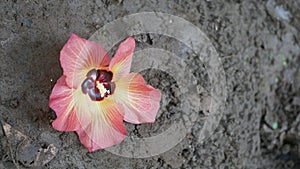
(71,106)
(141,101)
(121,62)
(106,127)
(78,56)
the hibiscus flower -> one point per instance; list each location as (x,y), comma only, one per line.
(95,93)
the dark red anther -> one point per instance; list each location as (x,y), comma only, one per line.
(104,76)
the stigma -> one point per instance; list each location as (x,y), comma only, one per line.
(102,89)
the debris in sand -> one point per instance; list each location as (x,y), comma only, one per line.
(278,11)
(26,151)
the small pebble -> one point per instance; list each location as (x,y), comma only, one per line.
(286,149)
(275,125)
(296,101)
(276,80)
(284,63)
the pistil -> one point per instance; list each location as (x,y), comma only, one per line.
(98,84)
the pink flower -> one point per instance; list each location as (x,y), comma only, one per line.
(95,94)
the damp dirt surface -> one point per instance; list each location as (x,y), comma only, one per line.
(258,43)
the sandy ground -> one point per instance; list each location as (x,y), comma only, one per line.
(258,45)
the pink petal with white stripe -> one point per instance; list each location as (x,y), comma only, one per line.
(141,101)
(78,56)
(70,105)
(121,62)
(106,127)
